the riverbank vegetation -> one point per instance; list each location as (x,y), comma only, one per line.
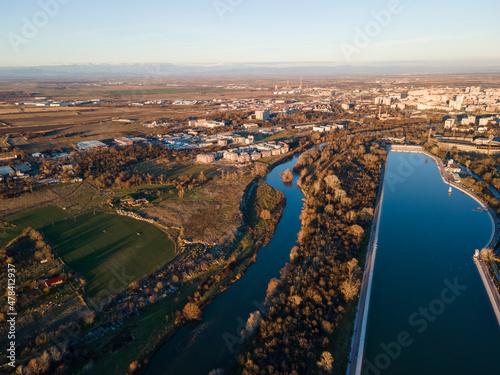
(217,215)
(310,309)
(174,293)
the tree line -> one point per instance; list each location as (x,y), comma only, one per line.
(306,305)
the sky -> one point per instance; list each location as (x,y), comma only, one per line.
(361,32)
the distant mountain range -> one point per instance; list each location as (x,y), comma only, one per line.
(152,71)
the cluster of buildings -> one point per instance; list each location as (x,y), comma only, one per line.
(90,145)
(149,102)
(454,169)
(246,154)
(184,102)
(17,171)
(193,139)
(466,123)
(327,128)
(96,145)
(155,124)
(204,123)
(44,102)
(470,99)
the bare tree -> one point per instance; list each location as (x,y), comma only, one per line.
(191,311)
(287,176)
(351,284)
(326,362)
(265,214)
(332,181)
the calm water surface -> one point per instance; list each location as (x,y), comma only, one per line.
(197,348)
(427,239)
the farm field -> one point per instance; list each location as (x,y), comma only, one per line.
(37,218)
(187,90)
(110,251)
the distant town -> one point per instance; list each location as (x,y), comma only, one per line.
(153,198)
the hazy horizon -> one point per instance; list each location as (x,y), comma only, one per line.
(394,32)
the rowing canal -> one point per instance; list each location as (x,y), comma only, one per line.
(429,312)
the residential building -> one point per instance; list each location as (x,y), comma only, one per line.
(262,115)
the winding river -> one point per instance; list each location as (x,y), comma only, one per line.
(429,312)
(198,348)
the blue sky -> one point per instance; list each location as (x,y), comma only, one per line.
(461,32)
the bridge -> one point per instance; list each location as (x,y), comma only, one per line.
(406,148)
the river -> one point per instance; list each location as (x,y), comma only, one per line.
(198,348)
(429,312)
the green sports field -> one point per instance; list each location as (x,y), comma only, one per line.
(39,217)
(109,250)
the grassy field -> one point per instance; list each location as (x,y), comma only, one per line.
(147,329)
(172,170)
(110,251)
(8,234)
(38,218)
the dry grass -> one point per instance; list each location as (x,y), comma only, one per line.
(206,213)
(76,196)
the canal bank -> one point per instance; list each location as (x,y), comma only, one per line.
(434,235)
(489,285)
(358,338)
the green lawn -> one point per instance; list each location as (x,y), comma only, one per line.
(109,250)
(38,217)
(8,234)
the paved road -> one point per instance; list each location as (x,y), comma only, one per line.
(489,285)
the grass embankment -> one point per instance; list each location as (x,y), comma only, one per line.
(158,324)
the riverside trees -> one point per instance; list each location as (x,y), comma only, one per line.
(287,176)
(306,306)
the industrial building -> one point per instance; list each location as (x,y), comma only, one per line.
(90,145)
(129,141)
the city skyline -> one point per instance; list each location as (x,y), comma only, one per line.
(57,32)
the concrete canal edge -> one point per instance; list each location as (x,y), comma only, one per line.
(489,285)
(359,334)
(358,339)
